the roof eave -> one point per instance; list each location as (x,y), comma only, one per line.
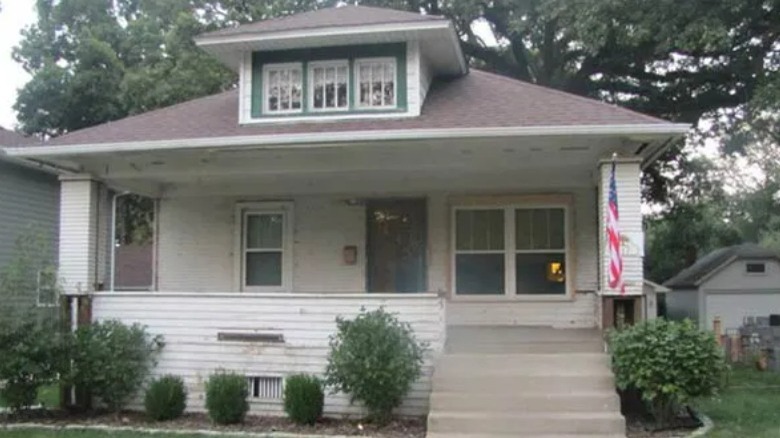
(658,132)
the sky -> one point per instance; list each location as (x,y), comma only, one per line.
(15,15)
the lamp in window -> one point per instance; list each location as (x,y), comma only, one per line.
(555,272)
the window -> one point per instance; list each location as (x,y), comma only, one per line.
(376,83)
(755,268)
(265,253)
(510,251)
(47,288)
(540,251)
(328,88)
(479,252)
(283,90)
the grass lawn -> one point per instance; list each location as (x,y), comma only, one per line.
(38,433)
(48,396)
(749,407)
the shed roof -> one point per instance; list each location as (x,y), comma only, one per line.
(692,276)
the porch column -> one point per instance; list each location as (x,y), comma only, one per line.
(85,215)
(627,180)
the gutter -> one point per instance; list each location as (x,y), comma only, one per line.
(34,164)
(345,138)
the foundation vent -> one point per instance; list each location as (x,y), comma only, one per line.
(265,387)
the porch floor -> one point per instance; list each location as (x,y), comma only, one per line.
(496,381)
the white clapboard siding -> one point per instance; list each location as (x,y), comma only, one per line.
(190,322)
(85,219)
(629,192)
(578,313)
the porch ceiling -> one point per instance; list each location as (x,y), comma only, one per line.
(431,165)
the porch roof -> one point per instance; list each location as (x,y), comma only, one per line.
(477,104)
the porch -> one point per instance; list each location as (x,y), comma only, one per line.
(258,249)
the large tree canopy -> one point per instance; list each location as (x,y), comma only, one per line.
(94,61)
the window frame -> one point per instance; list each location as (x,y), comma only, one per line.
(356,73)
(266,84)
(510,251)
(310,66)
(243,211)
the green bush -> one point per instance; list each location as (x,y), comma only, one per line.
(226,395)
(669,363)
(165,398)
(33,354)
(303,398)
(111,360)
(375,359)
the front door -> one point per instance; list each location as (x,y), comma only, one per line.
(396,236)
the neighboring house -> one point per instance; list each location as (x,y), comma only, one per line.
(729,283)
(361,163)
(29,203)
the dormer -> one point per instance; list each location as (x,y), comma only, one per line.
(351,62)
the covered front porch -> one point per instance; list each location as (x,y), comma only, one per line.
(257,249)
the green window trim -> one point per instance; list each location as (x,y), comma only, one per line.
(335,54)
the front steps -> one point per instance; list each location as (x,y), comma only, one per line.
(524,382)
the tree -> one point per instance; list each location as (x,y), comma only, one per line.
(94,61)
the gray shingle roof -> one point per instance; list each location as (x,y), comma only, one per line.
(692,275)
(11,139)
(329,17)
(477,100)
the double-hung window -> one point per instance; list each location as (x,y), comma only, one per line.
(283,88)
(328,86)
(375,81)
(510,250)
(265,248)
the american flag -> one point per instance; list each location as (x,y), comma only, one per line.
(613,237)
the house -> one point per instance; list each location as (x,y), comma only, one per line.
(29,207)
(360,162)
(730,283)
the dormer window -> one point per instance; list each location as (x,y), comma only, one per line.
(328,85)
(376,83)
(283,88)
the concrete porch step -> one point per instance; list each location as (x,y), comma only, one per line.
(523,347)
(553,382)
(593,401)
(517,363)
(527,424)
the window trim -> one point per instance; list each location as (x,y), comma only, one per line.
(266,83)
(246,209)
(510,251)
(356,85)
(310,66)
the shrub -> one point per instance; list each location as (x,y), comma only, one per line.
(226,395)
(165,398)
(32,349)
(375,359)
(303,398)
(111,360)
(33,354)
(669,363)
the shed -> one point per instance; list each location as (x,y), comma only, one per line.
(730,283)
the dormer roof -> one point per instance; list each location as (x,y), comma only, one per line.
(341,17)
(341,26)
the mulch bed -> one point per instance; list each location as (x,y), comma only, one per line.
(639,423)
(412,427)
